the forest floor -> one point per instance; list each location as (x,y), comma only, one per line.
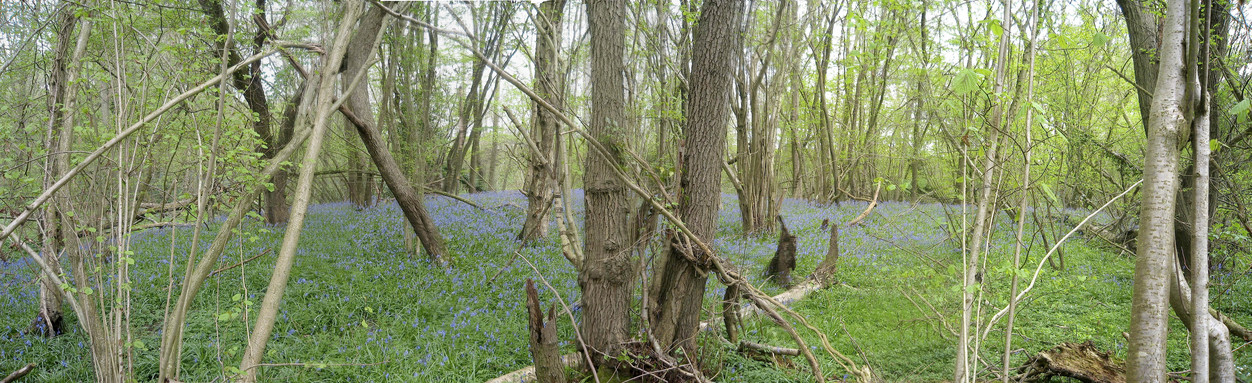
(360,309)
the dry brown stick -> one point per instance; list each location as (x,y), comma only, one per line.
(215,272)
(19,373)
(817,368)
(872,203)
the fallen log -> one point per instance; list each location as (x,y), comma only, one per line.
(527,374)
(765,348)
(19,373)
(1080,361)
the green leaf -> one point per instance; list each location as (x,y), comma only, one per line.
(965,81)
(1241,107)
(1048,192)
(1037,107)
(139,344)
(236,297)
(223,317)
(1214,145)
(88,290)
(1099,40)
(891,187)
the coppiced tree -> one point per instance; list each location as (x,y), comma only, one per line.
(675,317)
(541,182)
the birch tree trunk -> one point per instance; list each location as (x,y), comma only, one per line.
(1154,260)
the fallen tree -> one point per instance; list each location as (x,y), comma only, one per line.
(1079,361)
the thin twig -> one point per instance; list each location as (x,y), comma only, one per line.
(267,251)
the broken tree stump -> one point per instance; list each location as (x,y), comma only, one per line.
(784,261)
(543,340)
(1080,361)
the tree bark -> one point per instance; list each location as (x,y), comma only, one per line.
(268,310)
(409,198)
(1154,260)
(973,275)
(676,316)
(607,270)
(59,139)
(543,338)
(541,181)
(249,82)
(1142,26)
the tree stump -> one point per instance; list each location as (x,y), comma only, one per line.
(543,339)
(784,261)
(1080,361)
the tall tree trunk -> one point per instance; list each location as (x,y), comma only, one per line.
(824,170)
(756,161)
(1142,26)
(268,311)
(249,82)
(491,40)
(361,52)
(675,318)
(923,79)
(541,181)
(1154,260)
(607,271)
(965,370)
(59,140)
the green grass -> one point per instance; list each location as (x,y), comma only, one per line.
(359,309)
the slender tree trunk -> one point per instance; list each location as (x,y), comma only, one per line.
(360,52)
(607,271)
(1021,208)
(825,171)
(59,140)
(1153,263)
(973,276)
(675,318)
(542,178)
(249,82)
(268,311)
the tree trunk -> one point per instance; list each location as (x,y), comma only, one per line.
(542,178)
(249,82)
(1142,26)
(1154,260)
(607,271)
(59,140)
(676,316)
(268,310)
(973,275)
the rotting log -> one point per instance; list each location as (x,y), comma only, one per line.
(821,278)
(1080,361)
